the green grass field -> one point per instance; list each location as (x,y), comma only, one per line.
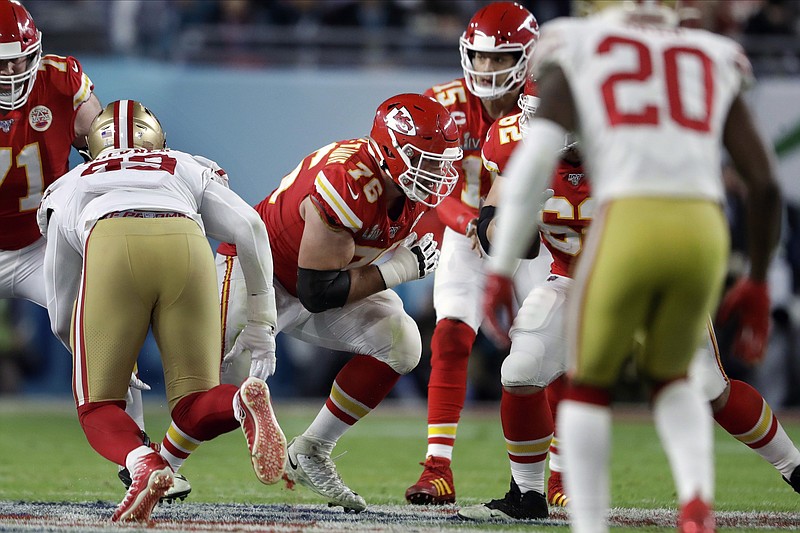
(45,457)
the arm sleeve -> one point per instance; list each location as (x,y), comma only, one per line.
(228,218)
(455,215)
(529,172)
(62,273)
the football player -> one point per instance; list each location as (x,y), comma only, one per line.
(46,106)
(656,254)
(127,250)
(342,229)
(495,51)
(538,348)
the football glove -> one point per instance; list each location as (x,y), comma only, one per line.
(259,340)
(414,259)
(498,308)
(748,303)
(134,383)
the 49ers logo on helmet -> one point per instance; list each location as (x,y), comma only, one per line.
(399,119)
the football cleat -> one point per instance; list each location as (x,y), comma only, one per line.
(435,485)
(696,516)
(179,490)
(555,490)
(308,462)
(513,506)
(152,478)
(794,479)
(264,436)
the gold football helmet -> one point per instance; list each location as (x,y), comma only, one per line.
(125,124)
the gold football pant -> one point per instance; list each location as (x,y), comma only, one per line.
(137,273)
(651,267)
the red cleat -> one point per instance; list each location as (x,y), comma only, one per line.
(435,485)
(556,496)
(264,436)
(152,478)
(696,516)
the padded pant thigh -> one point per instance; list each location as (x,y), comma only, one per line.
(538,351)
(377,326)
(458,281)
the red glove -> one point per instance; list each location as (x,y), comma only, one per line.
(498,301)
(748,302)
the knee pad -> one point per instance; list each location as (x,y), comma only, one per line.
(528,364)
(404,348)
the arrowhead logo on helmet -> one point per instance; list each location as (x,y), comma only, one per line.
(399,119)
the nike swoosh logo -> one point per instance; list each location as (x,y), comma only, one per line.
(291,463)
(354,195)
(75,67)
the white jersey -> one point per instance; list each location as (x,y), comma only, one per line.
(652,101)
(172,181)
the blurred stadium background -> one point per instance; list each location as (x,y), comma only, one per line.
(258,84)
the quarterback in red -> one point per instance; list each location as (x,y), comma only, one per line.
(495,51)
(341,226)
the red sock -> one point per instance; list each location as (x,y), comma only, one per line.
(526,419)
(208,414)
(359,387)
(447,388)
(555,391)
(742,414)
(109,430)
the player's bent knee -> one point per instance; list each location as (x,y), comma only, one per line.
(528,366)
(405,347)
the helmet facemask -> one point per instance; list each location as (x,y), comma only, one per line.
(429,177)
(512,77)
(16,88)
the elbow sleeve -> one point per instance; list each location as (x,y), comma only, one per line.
(320,290)
(484,219)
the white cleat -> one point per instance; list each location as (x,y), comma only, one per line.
(308,462)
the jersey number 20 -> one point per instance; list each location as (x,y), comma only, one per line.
(650,114)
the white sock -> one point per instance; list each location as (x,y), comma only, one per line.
(327,427)
(585,431)
(529,476)
(685,426)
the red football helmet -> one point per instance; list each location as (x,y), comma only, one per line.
(19,39)
(418,142)
(500,27)
(528,102)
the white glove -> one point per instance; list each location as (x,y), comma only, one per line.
(259,340)
(220,176)
(414,259)
(135,383)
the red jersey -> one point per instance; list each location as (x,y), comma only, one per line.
(37,139)
(344,182)
(567,214)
